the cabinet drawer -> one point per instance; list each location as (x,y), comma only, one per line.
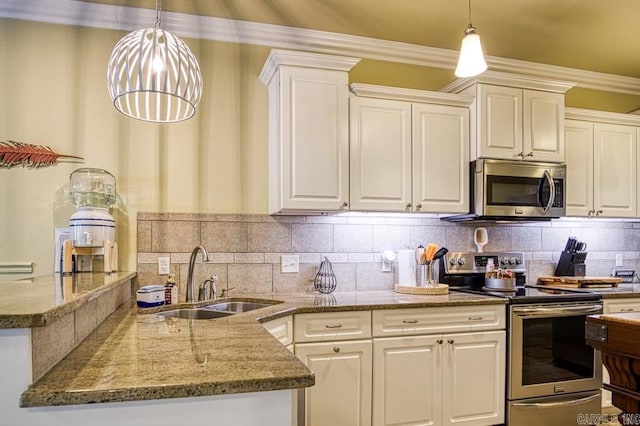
(281,329)
(402,322)
(332,326)
(621,305)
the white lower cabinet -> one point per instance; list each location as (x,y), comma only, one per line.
(342,393)
(408,366)
(439,379)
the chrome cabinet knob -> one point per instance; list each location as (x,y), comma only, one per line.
(345,204)
(450,341)
(336,349)
(439,341)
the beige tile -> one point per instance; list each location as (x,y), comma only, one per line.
(426,234)
(269,237)
(302,281)
(248,258)
(391,237)
(51,343)
(370,277)
(352,238)
(255,278)
(460,238)
(174,236)
(225,237)
(148,274)
(312,238)
(526,238)
(144,235)
(345,276)
(499,238)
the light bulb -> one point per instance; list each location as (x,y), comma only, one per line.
(157,64)
(471,61)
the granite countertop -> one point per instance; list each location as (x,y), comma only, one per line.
(136,355)
(39,301)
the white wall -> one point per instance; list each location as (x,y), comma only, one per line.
(54,92)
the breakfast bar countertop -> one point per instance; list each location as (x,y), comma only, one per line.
(136,355)
(39,301)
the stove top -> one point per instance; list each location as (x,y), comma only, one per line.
(532,294)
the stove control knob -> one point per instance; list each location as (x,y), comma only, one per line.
(453,261)
(518,261)
(512,260)
(461,261)
(504,261)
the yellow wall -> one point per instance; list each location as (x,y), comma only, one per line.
(54,93)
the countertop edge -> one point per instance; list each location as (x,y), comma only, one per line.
(49,316)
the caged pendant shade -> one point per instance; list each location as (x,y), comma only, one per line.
(471,61)
(153,76)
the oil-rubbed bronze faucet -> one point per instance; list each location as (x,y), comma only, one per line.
(192,262)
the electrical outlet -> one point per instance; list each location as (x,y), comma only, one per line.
(290,264)
(164,265)
(618,259)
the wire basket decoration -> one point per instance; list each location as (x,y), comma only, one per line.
(325,280)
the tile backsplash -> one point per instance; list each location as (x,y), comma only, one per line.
(245,250)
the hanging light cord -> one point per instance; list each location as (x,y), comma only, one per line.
(470,24)
(158,13)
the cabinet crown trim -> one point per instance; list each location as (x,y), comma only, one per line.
(510,80)
(410,95)
(278,57)
(601,116)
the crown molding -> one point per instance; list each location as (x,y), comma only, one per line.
(410,95)
(73,12)
(509,79)
(279,57)
(601,116)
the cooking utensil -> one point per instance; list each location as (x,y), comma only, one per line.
(420,255)
(441,252)
(481,238)
(430,251)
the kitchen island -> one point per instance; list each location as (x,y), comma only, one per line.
(152,369)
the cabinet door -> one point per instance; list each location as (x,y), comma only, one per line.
(342,393)
(407,378)
(614,173)
(440,158)
(499,122)
(308,156)
(543,122)
(380,154)
(579,148)
(473,389)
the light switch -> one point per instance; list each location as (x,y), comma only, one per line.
(290,264)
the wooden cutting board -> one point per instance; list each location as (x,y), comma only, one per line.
(580,281)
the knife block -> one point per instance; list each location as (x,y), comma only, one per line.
(571,264)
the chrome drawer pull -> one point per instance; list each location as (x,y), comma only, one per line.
(627,310)
(414,321)
(476,318)
(334,326)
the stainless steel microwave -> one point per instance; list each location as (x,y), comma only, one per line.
(503,189)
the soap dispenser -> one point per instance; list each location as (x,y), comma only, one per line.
(171,291)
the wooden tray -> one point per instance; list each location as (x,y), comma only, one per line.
(579,282)
(438,289)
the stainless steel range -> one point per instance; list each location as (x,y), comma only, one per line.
(552,374)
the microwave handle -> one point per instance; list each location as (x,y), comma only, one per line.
(552,191)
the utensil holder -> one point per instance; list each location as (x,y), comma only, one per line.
(425,275)
(325,281)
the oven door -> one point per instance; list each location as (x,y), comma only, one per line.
(548,353)
(521,189)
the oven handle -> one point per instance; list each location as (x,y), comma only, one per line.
(552,191)
(556,311)
(556,404)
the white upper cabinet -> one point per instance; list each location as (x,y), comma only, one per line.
(308,131)
(602,160)
(514,117)
(380,154)
(409,150)
(440,158)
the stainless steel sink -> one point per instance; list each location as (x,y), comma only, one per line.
(236,307)
(196,313)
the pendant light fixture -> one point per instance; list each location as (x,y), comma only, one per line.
(153,76)
(471,61)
